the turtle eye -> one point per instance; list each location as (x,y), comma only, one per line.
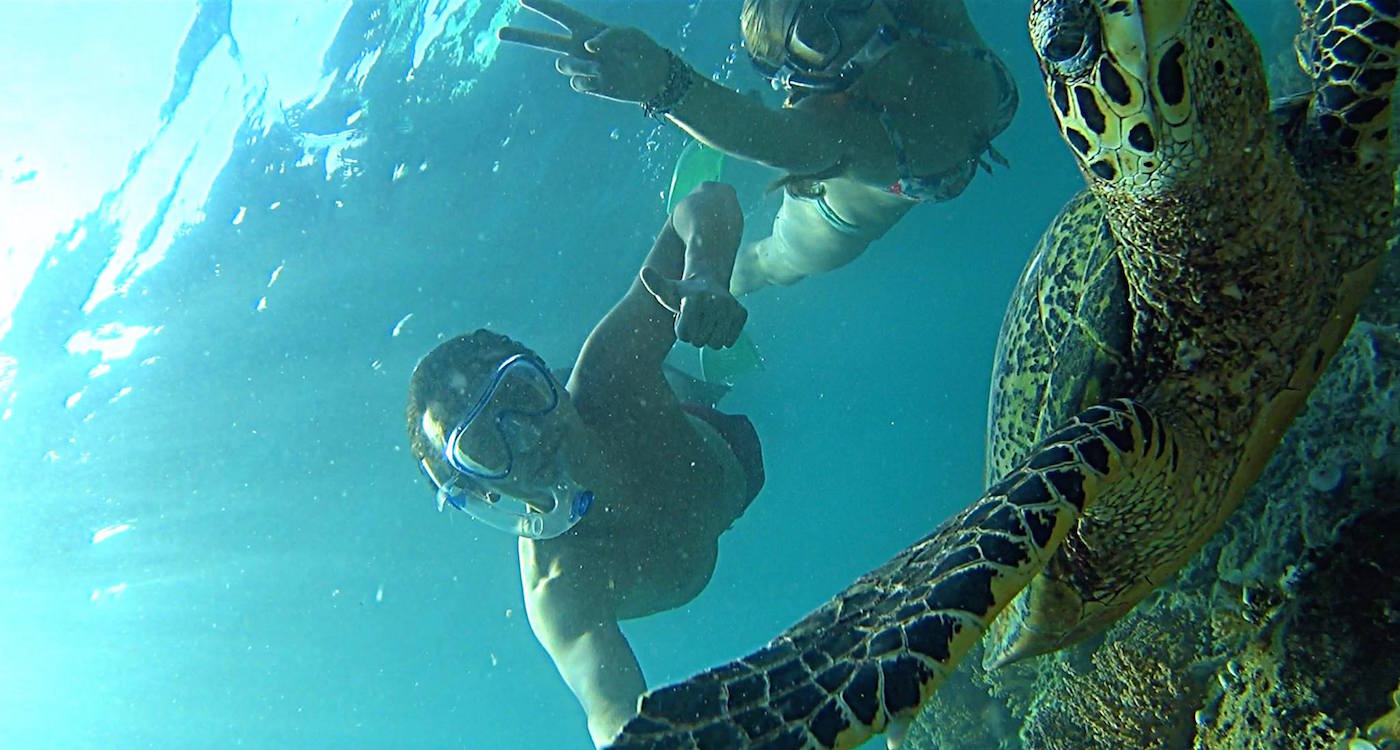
(1064,45)
(1066,33)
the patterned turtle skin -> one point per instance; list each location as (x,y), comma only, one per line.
(1165,332)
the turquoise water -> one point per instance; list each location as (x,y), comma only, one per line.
(214,536)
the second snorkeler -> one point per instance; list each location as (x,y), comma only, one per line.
(888,103)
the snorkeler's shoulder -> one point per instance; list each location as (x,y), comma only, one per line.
(607,379)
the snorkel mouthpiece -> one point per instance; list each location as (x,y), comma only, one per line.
(515,516)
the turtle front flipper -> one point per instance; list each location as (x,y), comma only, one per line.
(1122,546)
(870,657)
(1347,48)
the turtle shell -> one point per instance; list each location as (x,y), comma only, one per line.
(1065,341)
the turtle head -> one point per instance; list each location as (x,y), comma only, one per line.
(1149,93)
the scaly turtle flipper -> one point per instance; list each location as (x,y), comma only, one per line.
(1347,48)
(872,655)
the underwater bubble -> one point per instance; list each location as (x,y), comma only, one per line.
(1325,478)
(107,532)
(615,134)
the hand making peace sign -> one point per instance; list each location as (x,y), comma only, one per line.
(619,63)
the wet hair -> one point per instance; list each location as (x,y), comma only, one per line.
(436,382)
(761,24)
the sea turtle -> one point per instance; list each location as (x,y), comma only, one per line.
(1164,334)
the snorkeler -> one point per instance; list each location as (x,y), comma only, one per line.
(889,103)
(618,491)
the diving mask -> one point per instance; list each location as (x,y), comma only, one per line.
(506,421)
(812,30)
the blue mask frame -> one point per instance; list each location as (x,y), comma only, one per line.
(538,376)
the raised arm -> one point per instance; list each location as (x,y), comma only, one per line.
(804,140)
(571,608)
(624,64)
(574,621)
(688,272)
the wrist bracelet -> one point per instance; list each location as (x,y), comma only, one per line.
(677,86)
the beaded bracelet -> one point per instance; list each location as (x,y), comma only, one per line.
(678,80)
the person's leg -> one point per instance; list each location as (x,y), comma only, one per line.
(806,239)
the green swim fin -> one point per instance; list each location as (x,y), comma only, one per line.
(724,366)
(697,163)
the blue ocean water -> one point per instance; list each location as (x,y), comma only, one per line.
(213,533)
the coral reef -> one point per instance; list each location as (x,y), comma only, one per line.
(1132,694)
(960,709)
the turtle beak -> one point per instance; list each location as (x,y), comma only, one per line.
(1139,33)
(1163,21)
